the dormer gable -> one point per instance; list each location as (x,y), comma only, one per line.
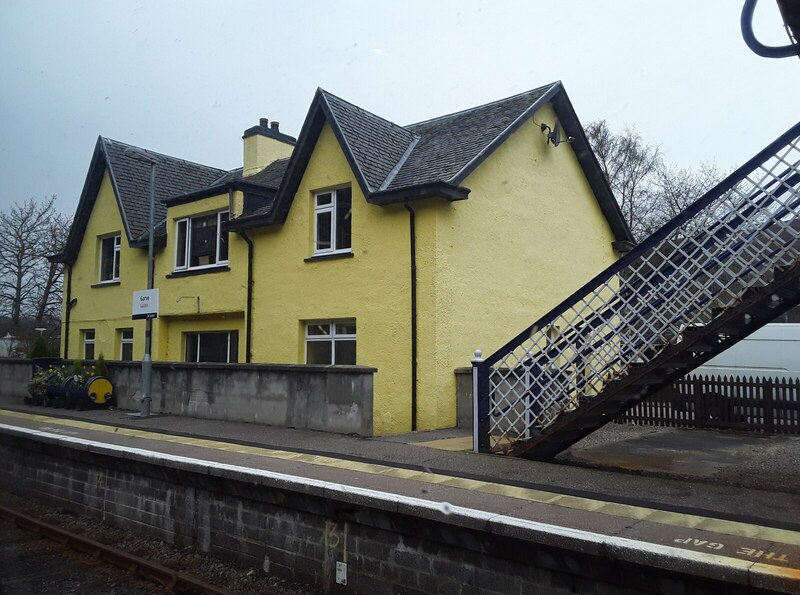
(430,159)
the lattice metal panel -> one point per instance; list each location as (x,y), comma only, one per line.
(683,276)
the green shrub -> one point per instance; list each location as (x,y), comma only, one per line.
(39,348)
(52,376)
(37,389)
(100,367)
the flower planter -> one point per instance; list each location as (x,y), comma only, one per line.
(75,397)
(41,364)
(56,391)
(80,393)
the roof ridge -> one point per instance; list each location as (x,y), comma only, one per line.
(105,139)
(477,107)
(265,168)
(342,138)
(524,115)
(358,107)
(227,174)
(399,165)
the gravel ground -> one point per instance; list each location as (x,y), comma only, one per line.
(30,563)
(777,466)
(224,575)
(717,456)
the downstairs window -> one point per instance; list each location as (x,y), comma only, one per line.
(216,346)
(331,342)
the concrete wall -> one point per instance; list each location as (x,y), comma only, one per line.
(15,374)
(301,534)
(327,398)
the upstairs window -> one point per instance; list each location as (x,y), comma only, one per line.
(331,343)
(200,241)
(332,221)
(109,259)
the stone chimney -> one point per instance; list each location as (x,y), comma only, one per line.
(263,144)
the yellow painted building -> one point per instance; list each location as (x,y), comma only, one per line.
(404,248)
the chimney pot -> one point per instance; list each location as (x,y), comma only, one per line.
(264,122)
(274,126)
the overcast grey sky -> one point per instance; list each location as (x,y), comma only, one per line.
(186,78)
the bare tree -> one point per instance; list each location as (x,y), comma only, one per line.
(629,166)
(673,189)
(30,285)
(650,192)
(50,284)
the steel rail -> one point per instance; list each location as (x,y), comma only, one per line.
(178,582)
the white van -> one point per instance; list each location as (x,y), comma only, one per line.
(772,351)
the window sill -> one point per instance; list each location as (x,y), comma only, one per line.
(106,284)
(333,256)
(202,271)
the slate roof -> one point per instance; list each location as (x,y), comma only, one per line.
(131,179)
(447,144)
(392,163)
(391,156)
(228,177)
(377,145)
(257,204)
(395,163)
(271,176)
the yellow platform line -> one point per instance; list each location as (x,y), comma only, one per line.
(638,513)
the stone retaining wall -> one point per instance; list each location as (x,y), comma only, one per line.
(304,534)
(328,398)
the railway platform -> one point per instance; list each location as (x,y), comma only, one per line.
(577,527)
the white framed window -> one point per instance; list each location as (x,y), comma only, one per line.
(109,258)
(126,344)
(200,241)
(331,342)
(212,346)
(333,214)
(88,343)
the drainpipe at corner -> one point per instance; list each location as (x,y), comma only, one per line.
(412,226)
(248,321)
(68,309)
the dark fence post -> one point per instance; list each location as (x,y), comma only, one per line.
(699,404)
(768,405)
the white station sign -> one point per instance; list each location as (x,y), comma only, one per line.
(145,304)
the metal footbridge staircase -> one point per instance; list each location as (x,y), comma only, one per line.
(714,274)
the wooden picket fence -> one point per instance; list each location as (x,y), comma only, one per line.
(767,405)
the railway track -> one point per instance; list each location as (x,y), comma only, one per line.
(37,557)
